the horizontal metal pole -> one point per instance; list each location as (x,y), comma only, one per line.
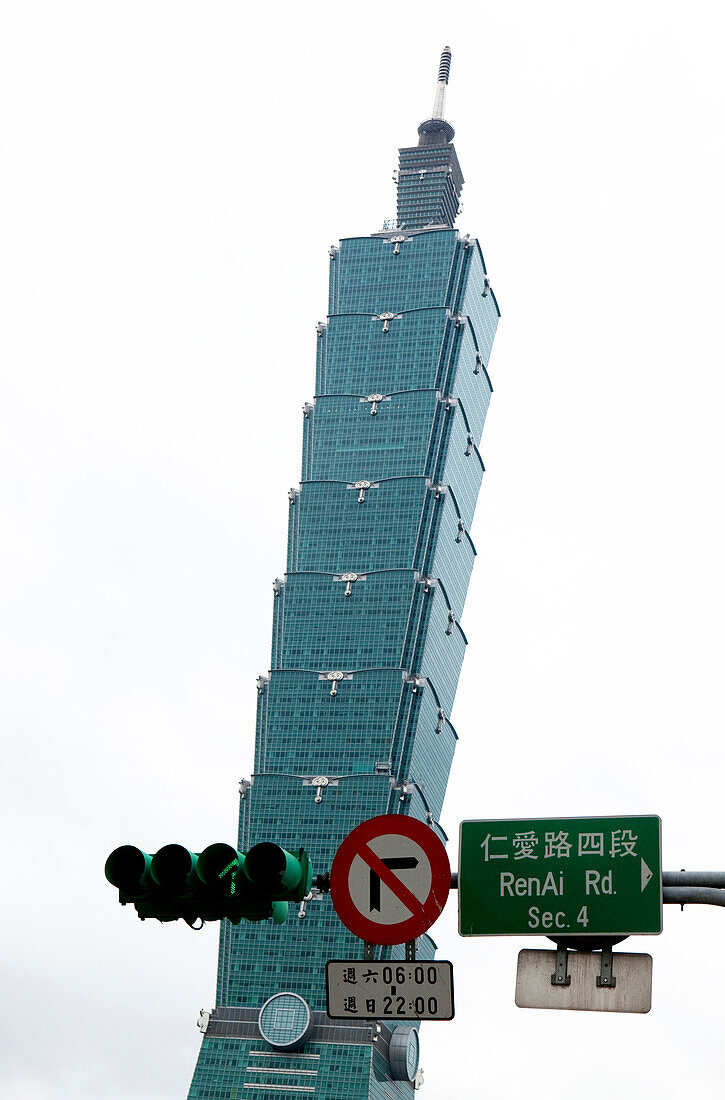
(693,878)
(669,878)
(692,895)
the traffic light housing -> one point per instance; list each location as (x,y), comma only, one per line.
(278,873)
(219,883)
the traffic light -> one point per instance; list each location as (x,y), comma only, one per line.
(277,872)
(217,884)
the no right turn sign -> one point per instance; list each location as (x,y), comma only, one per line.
(390,879)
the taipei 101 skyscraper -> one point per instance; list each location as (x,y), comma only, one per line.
(354,718)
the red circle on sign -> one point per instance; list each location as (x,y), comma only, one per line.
(436,874)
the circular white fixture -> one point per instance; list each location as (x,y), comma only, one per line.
(404,1054)
(285,1021)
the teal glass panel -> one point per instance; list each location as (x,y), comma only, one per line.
(350,442)
(309,730)
(381,531)
(373,278)
(358,357)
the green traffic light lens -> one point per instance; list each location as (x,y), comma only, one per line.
(218,867)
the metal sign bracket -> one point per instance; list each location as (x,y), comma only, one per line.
(606,979)
(604,944)
(560,975)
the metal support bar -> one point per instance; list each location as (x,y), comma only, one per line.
(693,878)
(692,895)
(368,950)
(410,951)
(560,976)
(587,943)
(679,887)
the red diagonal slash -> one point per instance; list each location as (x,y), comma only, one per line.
(392,881)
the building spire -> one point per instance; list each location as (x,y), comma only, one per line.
(444,70)
(435,130)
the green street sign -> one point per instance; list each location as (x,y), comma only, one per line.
(577,876)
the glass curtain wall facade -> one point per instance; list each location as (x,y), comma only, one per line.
(354,718)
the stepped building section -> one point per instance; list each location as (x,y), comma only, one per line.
(354,718)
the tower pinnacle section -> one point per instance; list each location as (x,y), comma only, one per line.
(429,175)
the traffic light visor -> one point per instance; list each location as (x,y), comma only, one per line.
(126,867)
(171,867)
(277,872)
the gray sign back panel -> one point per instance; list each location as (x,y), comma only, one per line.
(632,993)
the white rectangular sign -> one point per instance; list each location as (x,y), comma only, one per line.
(358,989)
(632,992)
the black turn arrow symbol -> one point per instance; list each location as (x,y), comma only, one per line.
(395,863)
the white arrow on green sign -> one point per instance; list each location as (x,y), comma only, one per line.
(580,876)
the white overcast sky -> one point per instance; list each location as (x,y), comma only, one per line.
(171,177)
